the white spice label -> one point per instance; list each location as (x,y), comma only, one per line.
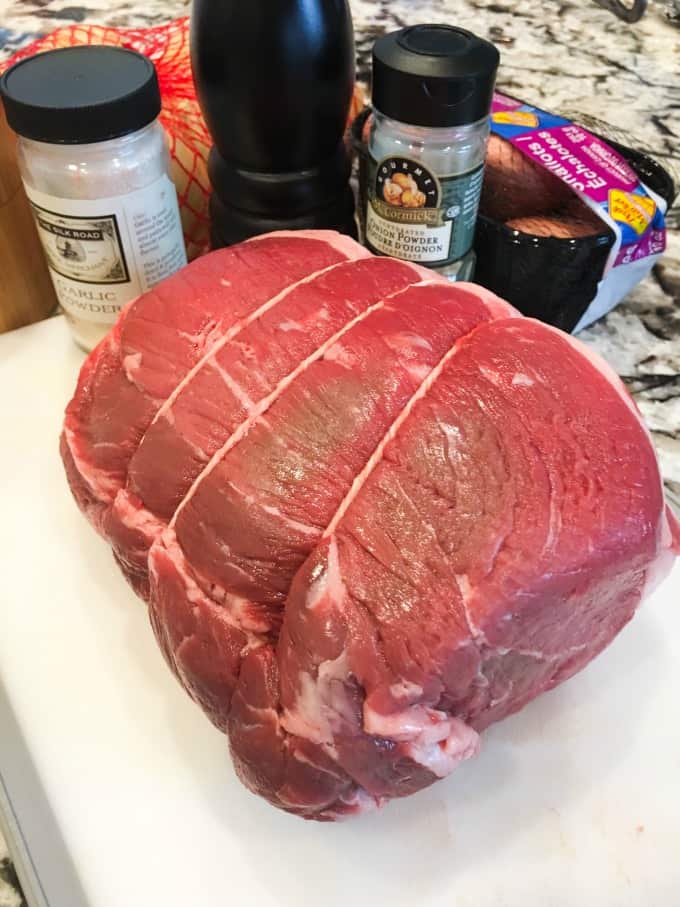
(104,252)
(412,242)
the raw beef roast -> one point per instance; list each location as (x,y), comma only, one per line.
(371,512)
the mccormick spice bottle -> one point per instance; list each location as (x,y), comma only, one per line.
(95,165)
(432,92)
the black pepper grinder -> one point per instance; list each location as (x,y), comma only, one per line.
(274,79)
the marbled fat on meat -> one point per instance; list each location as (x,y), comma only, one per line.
(371,512)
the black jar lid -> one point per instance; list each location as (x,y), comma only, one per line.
(77,95)
(434,75)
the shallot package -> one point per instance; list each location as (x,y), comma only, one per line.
(568,223)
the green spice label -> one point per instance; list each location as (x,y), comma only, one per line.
(416,216)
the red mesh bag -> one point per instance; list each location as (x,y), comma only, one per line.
(168,47)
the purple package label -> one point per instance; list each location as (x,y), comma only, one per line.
(594,170)
(586,165)
(654,243)
(503,102)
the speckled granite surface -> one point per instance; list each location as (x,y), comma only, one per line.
(10,893)
(567,56)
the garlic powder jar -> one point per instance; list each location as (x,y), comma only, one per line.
(94,161)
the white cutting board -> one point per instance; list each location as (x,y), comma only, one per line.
(125,797)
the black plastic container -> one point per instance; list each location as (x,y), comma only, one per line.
(554,280)
(274,79)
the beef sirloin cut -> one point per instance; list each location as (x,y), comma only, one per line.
(371,512)
(229,388)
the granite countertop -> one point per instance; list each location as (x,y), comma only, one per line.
(566,55)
